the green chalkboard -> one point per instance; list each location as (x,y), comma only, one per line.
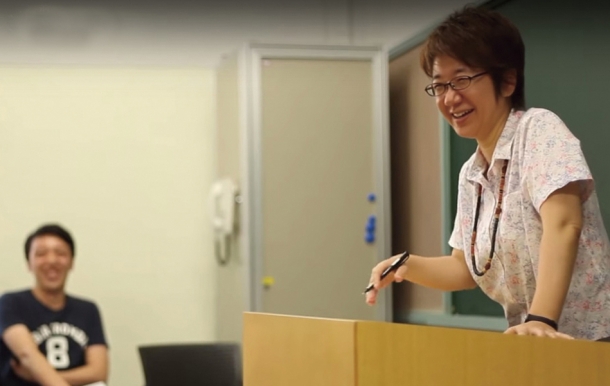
(567,71)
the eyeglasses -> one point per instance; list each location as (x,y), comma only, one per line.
(457,83)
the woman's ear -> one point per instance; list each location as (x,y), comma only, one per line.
(509,83)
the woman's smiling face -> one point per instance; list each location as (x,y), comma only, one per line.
(475,111)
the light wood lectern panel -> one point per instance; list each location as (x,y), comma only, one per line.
(284,350)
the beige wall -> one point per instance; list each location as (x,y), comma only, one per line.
(124,159)
(416,176)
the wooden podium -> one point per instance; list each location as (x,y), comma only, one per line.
(282,350)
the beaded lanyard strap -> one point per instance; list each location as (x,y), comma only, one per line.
(495,225)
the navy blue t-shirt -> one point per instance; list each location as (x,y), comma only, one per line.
(62,336)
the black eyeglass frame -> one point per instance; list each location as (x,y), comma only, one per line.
(430,89)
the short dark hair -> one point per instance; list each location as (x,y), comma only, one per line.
(482,38)
(52,230)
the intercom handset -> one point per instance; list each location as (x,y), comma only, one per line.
(222,208)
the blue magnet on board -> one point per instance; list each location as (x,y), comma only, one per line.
(369,237)
(371,197)
(371,224)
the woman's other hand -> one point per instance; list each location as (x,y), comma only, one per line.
(537,329)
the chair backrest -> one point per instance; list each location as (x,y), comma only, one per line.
(205,364)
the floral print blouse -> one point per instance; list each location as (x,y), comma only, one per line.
(543,156)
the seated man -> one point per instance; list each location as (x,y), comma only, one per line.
(49,337)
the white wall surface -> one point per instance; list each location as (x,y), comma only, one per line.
(123,158)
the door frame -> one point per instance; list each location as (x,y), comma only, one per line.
(250,69)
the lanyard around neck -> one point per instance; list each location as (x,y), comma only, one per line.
(496,220)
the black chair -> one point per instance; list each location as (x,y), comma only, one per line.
(205,364)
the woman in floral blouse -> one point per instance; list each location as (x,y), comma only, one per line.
(528,229)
